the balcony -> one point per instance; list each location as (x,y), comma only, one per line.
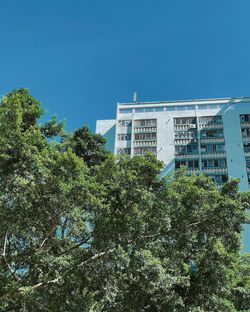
(214,170)
(246,138)
(207,171)
(211,126)
(209,139)
(185,141)
(213,155)
(186,156)
(192,171)
(184,127)
(184,136)
(145,129)
(145,143)
(245,124)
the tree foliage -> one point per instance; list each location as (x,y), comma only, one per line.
(81,230)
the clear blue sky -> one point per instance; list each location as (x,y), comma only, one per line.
(80,57)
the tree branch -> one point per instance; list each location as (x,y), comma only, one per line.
(54,281)
(96,256)
(5,259)
(73,247)
(5,244)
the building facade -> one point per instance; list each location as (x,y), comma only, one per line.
(210,136)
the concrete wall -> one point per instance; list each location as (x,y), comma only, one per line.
(107,129)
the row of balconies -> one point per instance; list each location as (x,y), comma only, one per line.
(203,155)
(145,129)
(246,138)
(245,124)
(185,127)
(145,143)
(211,126)
(207,171)
(184,141)
(181,141)
(184,136)
(218,139)
(214,125)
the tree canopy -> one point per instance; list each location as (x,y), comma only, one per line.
(82,230)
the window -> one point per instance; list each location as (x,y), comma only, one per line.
(180,107)
(149,109)
(214,163)
(224,178)
(245,132)
(124,123)
(139,110)
(185,134)
(190,107)
(192,148)
(245,118)
(124,136)
(210,163)
(212,106)
(222,163)
(179,163)
(246,147)
(219,179)
(158,109)
(125,110)
(170,108)
(144,109)
(210,119)
(212,133)
(193,164)
(144,150)
(145,136)
(122,151)
(145,123)
(185,121)
(220,148)
(203,106)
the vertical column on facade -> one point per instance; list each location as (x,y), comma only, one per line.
(198,136)
(132,133)
(116,128)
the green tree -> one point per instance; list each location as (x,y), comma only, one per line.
(81,230)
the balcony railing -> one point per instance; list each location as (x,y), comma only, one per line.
(186,155)
(246,138)
(184,136)
(214,170)
(213,155)
(184,127)
(206,170)
(207,139)
(245,124)
(211,126)
(145,129)
(184,141)
(145,143)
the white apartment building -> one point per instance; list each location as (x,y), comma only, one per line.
(209,135)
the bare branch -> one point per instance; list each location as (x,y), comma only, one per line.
(74,247)
(54,281)
(5,244)
(96,256)
(43,242)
